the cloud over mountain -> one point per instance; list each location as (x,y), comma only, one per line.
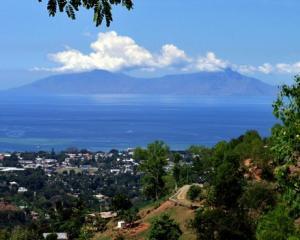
(113,52)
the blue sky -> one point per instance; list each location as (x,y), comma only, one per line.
(243,34)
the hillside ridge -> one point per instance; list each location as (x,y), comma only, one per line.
(222,83)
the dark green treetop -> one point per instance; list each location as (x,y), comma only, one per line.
(286,136)
(164,228)
(153,168)
(102,8)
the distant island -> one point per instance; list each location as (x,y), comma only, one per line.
(222,83)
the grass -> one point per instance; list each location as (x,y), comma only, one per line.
(181,215)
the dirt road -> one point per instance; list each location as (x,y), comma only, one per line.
(180,197)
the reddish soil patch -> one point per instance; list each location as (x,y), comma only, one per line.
(254,172)
(162,208)
(142,227)
(4,206)
(153,211)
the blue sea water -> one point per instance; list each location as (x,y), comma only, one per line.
(121,121)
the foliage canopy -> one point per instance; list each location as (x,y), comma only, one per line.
(153,167)
(102,8)
(164,228)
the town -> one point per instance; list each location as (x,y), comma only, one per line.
(34,184)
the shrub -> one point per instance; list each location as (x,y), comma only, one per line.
(164,228)
(194,192)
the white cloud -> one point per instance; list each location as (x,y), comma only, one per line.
(266,68)
(171,55)
(245,68)
(113,52)
(210,63)
(288,68)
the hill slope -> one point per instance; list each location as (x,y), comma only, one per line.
(180,214)
(176,207)
(222,83)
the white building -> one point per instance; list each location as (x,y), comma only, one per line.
(121,224)
(60,236)
(22,190)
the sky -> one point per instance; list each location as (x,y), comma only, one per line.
(259,38)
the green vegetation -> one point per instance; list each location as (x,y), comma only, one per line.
(250,189)
(102,8)
(52,236)
(120,202)
(164,228)
(285,141)
(276,225)
(153,166)
(194,192)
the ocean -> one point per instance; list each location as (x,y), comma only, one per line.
(104,122)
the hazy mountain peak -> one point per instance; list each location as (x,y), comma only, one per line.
(221,83)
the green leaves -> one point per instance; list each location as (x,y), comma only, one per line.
(102,8)
(52,7)
(76,4)
(276,225)
(286,137)
(62,4)
(153,168)
(70,11)
(164,228)
(215,223)
(287,110)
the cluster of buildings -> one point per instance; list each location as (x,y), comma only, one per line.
(114,162)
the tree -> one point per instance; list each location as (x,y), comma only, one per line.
(102,8)
(176,169)
(19,233)
(222,217)
(4,234)
(130,216)
(276,225)
(52,236)
(227,183)
(286,137)
(211,223)
(285,145)
(201,161)
(86,233)
(153,168)
(194,192)
(257,197)
(285,142)
(164,228)
(121,202)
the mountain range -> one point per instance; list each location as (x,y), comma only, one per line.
(222,83)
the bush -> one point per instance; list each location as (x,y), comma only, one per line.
(19,233)
(223,225)
(276,225)
(52,236)
(258,196)
(119,237)
(121,202)
(164,228)
(194,192)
